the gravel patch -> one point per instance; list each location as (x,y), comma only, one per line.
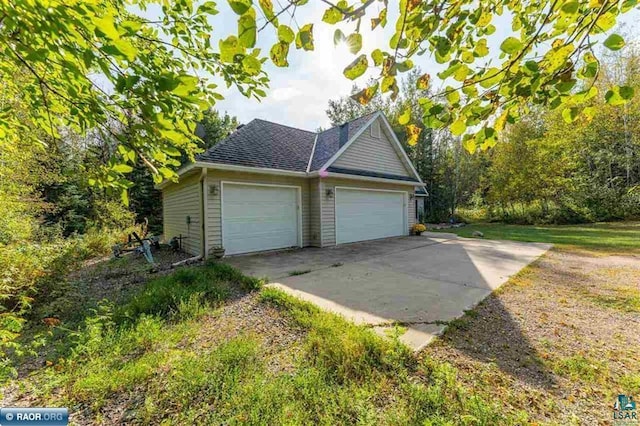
(521,344)
(280,342)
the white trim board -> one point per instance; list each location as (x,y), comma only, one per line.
(298,207)
(365,178)
(313,151)
(401,149)
(231,167)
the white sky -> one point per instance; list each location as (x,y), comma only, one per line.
(299,95)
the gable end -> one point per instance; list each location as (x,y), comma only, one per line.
(373,154)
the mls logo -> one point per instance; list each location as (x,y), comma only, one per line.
(625,408)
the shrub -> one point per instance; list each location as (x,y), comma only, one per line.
(418,228)
(28,270)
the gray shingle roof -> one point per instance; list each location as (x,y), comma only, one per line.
(264,144)
(275,146)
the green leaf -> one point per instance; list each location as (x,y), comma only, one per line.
(485,19)
(458,127)
(570,114)
(240,6)
(208,7)
(187,85)
(356,68)
(304,39)
(481,50)
(338,37)
(405,116)
(167,83)
(251,65)
(571,7)
(247,29)
(267,9)
(469,144)
(565,86)
(461,73)
(532,66)
(354,41)
(332,16)
(511,45)
(453,96)
(491,77)
(388,83)
(377,57)
(106,26)
(229,48)
(122,168)
(590,70)
(278,54)
(124,196)
(626,92)
(614,42)
(605,22)
(285,34)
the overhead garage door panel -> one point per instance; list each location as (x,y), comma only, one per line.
(259,218)
(366,215)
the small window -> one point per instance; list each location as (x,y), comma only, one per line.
(375,129)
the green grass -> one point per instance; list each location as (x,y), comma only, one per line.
(624,299)
(582,368)
(608,236)
(139,356)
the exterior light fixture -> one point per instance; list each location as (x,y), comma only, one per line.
(329,192)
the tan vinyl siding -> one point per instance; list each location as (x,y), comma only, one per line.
(179,201)
(373,154)
(214,177)
(328,203)
(412,212)
(314,213)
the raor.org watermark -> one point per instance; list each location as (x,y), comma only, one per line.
(33,416)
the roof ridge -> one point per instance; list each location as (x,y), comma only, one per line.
(284,125)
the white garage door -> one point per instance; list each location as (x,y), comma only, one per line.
(367,215)
(256,218)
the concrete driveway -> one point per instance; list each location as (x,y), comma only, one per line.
(419,282)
